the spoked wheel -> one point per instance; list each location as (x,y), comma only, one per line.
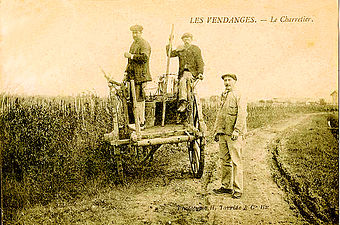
(196,157)
(196,147)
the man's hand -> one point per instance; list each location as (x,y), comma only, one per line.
(217,137)
(125,79)
(195,79)
(127,55)
(180,48)
(144,85)
(234,135)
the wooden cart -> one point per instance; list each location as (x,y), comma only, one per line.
(129,141)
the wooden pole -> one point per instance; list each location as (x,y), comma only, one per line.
(134,100)
(168,140)
(115,118)
(166,74)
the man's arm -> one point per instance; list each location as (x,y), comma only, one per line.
(199,61)
(144,56)
(173,53)
(218,124)
(241,120)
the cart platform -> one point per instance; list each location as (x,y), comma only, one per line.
(129,142)
(169,134)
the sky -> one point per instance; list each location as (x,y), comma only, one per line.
(58,47)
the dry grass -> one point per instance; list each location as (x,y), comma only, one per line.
(52,148)
(307,158)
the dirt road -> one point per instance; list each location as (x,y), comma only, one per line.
(166,193)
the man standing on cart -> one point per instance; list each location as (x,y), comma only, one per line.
(190,68)
(138,68)
(230,127)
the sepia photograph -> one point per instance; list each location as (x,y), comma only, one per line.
(169,112)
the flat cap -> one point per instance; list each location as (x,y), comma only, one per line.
(186,35)
(136,28)
(229,75)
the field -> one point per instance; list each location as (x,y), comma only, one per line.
(52,148)
(260,115)
(306,158)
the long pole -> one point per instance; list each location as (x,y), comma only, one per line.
(135,110)
(166,74)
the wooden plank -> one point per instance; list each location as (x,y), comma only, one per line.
(115,118)
(162,134)
(120,142)
(155,141)
(166,128)
(168,140)
(109,137)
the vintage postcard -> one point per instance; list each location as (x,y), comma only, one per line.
(169,112)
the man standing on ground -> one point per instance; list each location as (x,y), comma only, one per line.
(230,127)
(138,68)
(190,67)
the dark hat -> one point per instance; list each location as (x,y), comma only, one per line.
(187,35)
(229,75)
(136,28)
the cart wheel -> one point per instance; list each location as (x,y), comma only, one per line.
(196,157)
(196,147)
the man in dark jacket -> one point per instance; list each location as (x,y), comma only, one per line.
(190,67)
(138,68)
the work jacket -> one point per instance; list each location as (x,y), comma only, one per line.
(232,114)
(137,68)
(189,59)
